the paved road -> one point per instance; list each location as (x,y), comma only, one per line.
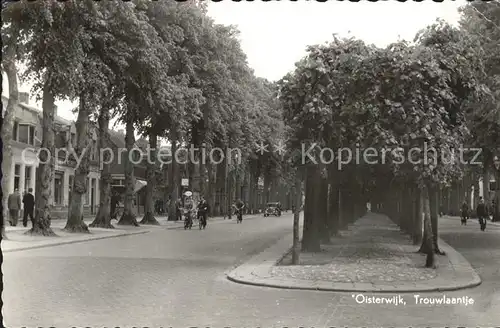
(176,278)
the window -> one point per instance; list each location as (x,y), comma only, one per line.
(73,139)
(87,194)
(70,182)
(63,138)
(94,150)
(493,186)
(58,188)
(27,178)
(17,176)
(70,187)
(15,129)
(32,135)
(24,133)
(116,182)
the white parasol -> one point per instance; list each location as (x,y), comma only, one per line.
(139,184)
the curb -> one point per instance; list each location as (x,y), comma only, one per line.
(453,218)
(460,275)
(75,241)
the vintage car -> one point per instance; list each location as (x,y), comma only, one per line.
(273,209)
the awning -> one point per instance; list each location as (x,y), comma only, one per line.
(139,184)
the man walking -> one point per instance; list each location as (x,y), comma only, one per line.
(29,206)
(115,200)
(14,204)
(178,206)
(203,212)
(465,213)
(482,213)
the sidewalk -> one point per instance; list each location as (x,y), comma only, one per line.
(18,241)
(371,256)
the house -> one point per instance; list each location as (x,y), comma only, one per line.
(117,147)
(26,141)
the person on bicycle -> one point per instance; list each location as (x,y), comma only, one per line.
(465,213)
(188,208)
(482,213)
(239,209)
(203,211)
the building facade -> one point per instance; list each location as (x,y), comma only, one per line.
(26,142)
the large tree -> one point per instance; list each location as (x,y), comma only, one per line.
(482,22)
(43,29)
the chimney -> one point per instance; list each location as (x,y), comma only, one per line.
(121,131)
(24,97)
(55,111)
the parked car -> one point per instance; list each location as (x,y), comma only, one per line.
(273,209)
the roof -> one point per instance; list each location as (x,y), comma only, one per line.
(117,138)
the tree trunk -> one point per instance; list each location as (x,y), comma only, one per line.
(44,178)
(237,182)
(255,186)
(173,177)
(211,188)
(324,222)
(103,216)
(428,235)
(251,192)
(128,216)
(310,239)
(417,223)
(296,218)
(230,191)
(496,207)
(75,221)
(333,208)
(434,211)
(203,175)
(267,187)
(10,69)
(149,213)
(220,185)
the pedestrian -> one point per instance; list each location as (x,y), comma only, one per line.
(465,213)
(29,206)
(202,212)
(178,213)
(482,213)
(115,200)
(14,205)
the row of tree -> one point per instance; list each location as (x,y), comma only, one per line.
(163,68)
(441,91)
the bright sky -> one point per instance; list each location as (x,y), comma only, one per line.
(274,35)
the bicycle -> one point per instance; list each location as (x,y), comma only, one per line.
(239,216)
(188,220)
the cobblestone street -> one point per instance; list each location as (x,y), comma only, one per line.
(177,278)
